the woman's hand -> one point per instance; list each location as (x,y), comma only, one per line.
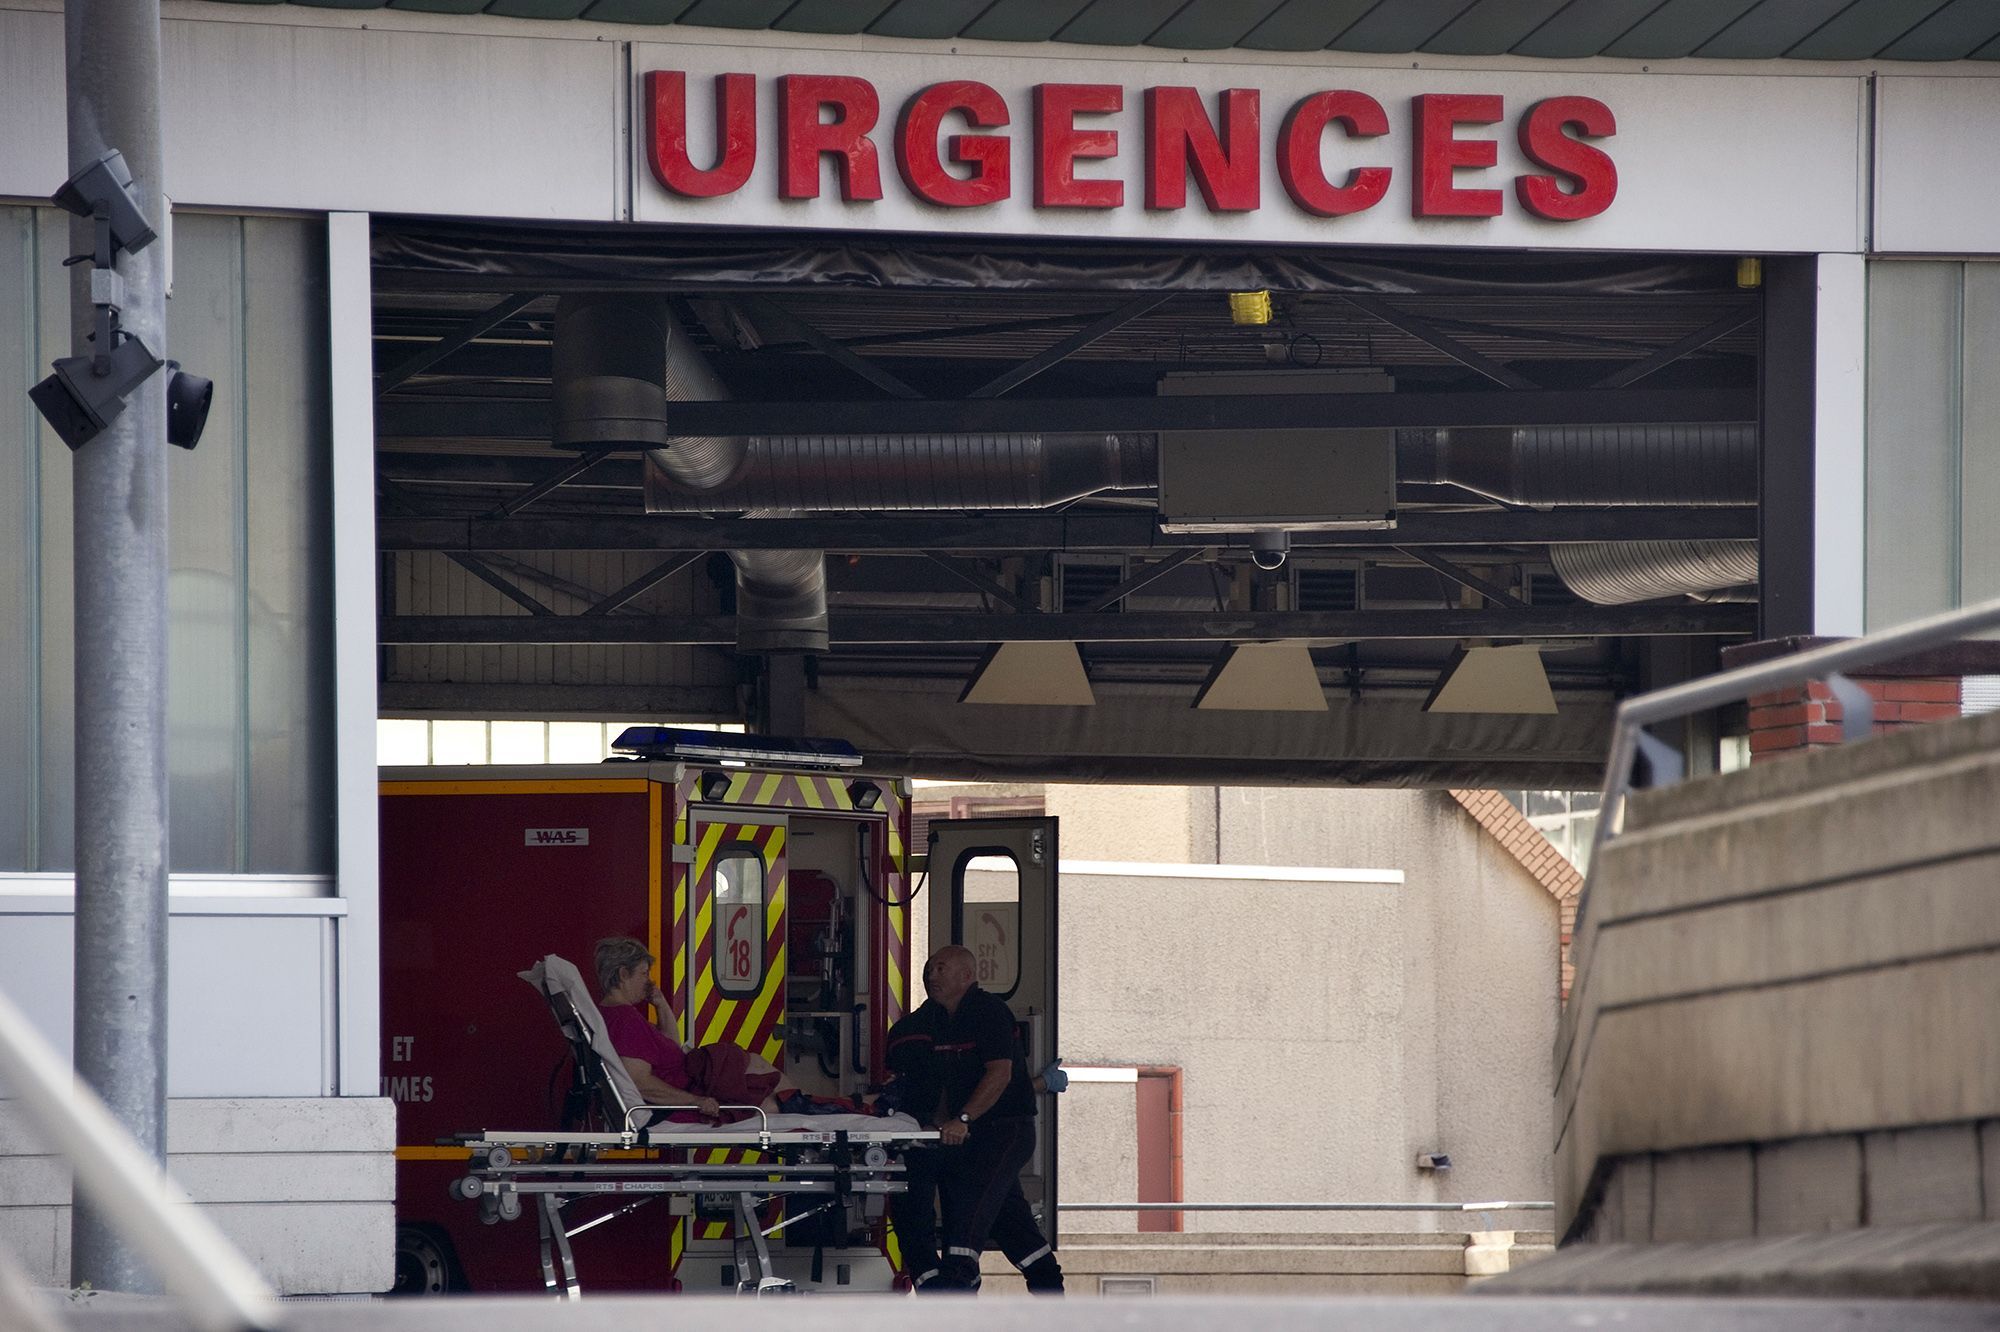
(654,995)
(708,1108)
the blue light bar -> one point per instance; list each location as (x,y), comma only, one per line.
(672,742)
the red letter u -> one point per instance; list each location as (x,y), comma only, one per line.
(735,134)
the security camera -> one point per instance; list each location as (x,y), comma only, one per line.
(103,189)
(1269,547)
(188,397)
(80,401)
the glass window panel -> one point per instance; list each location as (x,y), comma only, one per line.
(20,553)
(287,569)
(520,742)
(458,742)
(207,619)
(737,925)
(989,897)
(576,742)
(402,742)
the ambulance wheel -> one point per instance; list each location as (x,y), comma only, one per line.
(425,1263)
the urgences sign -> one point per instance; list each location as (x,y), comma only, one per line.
(954,145)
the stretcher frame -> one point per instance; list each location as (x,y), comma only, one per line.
(560,1168)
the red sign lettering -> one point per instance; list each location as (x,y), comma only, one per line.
(1180,140)
(1059,143)
(822,116)
(1544,141)
(1302,168)
(989,155)
(735,134)
(1440,153)
(801,98)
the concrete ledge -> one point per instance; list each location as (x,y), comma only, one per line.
(305,1187)
(1875,1262)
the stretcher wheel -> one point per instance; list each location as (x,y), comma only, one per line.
(875,1156)
(499,1158)
(468,1188)
(510,1206)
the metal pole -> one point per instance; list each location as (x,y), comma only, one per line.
(120,510)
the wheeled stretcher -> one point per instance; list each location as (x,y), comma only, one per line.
(850,1163)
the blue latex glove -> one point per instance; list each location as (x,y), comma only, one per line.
(1053,1077)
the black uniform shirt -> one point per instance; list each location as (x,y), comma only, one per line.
(980,1031)
(912,1056)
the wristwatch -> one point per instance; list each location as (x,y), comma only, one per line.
(965,1119)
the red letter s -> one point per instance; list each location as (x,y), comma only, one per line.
(1545,143)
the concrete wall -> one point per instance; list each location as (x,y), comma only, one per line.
(302,1186)
(1783,1015)
(1328,1032)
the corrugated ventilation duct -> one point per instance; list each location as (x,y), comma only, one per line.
(1544,466)
(619,361)
(1693,465)
(837,473)
(1615,573)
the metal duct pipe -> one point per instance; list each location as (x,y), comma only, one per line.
(1707,465)
(619,362)
(841,473)
(1615,573)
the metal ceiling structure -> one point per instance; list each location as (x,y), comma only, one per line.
(517,575)
(1926,30)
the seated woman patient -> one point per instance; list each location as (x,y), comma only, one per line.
(650,1052)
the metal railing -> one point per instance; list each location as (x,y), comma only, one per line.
(1485,1210)
(217,1288)
(1630,740)
(1309,1207)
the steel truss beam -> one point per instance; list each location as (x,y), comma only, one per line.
(472,329)
(1136,531)
(530,418)
(889,628)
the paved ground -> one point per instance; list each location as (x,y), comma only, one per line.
(864,1314)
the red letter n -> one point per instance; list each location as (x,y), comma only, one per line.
(1180,140)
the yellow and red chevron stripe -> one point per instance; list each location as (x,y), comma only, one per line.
(750,1021)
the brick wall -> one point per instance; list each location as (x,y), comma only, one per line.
(1808,716)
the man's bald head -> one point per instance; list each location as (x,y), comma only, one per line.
(949,974)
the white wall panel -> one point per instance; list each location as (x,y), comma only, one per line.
(267,1031)
(264,115)
(34,154)
(1935,188)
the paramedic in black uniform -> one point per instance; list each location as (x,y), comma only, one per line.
(918,1091)
(987,1130)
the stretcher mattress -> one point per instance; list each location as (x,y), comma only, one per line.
(881,1126)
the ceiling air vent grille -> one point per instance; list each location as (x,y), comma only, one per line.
(1080,582)
(1546,588)
(1328,589)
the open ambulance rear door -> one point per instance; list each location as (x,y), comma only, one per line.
(992,888)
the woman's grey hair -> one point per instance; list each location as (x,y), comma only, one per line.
(615,957)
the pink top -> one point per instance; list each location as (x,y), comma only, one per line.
(635,1038)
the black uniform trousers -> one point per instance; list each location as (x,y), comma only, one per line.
(983,1204)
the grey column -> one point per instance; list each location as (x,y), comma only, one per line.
(1786,407)
(121,639)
